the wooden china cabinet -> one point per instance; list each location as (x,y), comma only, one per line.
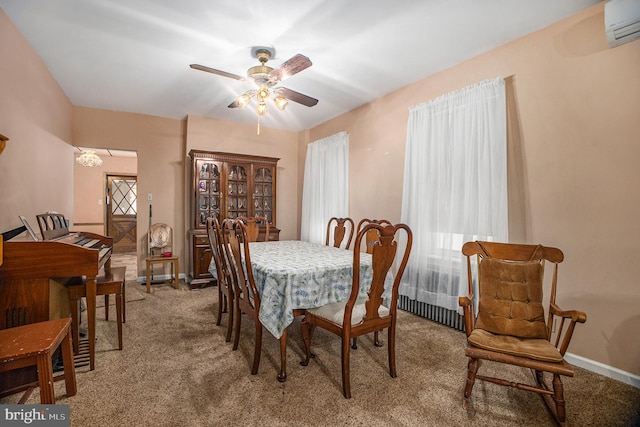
(227,185)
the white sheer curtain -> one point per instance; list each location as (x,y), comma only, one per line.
(325,192)
(455,187)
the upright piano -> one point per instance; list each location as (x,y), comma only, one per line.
(32,278)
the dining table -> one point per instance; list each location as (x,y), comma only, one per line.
(294,275)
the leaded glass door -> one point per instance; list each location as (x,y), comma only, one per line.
(208,191)
(263,193)
(237,190)
(122,194)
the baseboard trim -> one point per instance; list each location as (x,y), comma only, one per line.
(143,279)
(602,369)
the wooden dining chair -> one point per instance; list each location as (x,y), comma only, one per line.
(509,326)
(372,235)
(246,298)
(225,288)
(339,228)
(364,312)
(253,227)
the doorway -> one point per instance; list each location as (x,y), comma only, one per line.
(121,214)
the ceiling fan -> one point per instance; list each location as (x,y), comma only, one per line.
(266,79)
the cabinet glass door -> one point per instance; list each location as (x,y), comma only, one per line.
(237,197)
(263,193)
(208,191)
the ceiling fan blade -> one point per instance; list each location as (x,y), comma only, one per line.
(293,66)
(234,104)
(214,71)
(298,97)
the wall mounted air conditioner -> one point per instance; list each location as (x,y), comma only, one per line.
(622,21)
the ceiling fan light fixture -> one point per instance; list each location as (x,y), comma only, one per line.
(89,158)
(262,94)
(280,102)
(243,100)
(262,109)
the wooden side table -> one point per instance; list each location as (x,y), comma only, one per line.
(34,344)
(175,267)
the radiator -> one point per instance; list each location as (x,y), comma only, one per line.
(437,314)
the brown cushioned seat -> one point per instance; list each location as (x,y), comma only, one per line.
(533,348)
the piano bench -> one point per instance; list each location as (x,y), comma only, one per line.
(116,274)
(111,282)
(34,344)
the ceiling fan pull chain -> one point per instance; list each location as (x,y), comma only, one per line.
(258,124)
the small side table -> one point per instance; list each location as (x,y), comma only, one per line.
(175,268)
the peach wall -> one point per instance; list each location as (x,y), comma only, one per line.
(159,143)
(36,167)
(89,191)
(574,136)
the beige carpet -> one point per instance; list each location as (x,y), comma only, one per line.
(177,370)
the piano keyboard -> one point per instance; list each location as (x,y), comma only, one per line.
(87,242)
(103,252)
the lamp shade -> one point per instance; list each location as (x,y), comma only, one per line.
(280,102)
(243,100)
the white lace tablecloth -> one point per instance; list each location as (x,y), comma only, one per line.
(293,274)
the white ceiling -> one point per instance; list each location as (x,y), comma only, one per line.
(107,152)
(134,55)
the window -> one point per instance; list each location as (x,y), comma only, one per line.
(455,187)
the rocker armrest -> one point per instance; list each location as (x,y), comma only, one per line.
(574,315)
(563,336)
(466,302)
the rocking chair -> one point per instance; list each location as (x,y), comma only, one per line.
(510,324)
